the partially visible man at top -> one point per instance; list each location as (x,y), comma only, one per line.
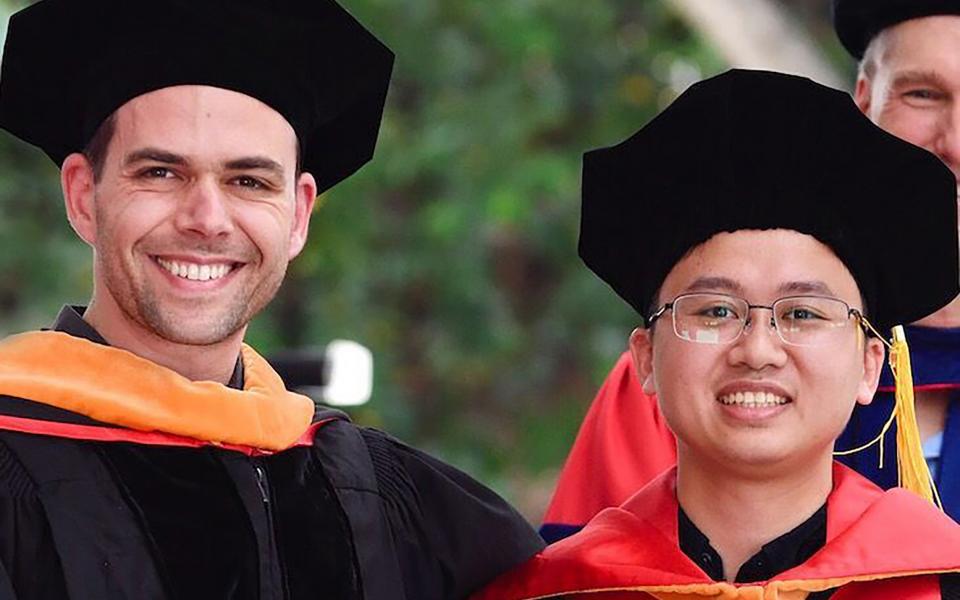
(145,451)
(908,84)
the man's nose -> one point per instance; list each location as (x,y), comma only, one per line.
(759,345)
(947,143)
(204,210)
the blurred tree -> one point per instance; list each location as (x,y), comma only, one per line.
(453,254)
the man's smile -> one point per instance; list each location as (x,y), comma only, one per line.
(753,399)
(198,270)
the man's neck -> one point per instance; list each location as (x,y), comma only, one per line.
(931,410)
(946,317)
(213,362)
(739,513)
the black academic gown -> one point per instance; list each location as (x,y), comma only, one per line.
(356,514)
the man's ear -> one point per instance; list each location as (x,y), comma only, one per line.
(306,197)
(873,358)
(862,94)
(79,190)
(641,351)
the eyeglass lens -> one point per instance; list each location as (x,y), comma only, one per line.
(719,318)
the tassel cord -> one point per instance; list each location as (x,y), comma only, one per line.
(912,471)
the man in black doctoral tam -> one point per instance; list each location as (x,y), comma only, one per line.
(908,84)
(766,282)
(145,451)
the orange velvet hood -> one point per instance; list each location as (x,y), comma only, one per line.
(144,401)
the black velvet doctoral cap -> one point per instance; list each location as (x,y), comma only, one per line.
(760,150)
(69,64)
(857,21)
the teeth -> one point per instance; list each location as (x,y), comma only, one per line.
(753,399)
(195,272)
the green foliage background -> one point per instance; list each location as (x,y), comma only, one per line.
(453,254)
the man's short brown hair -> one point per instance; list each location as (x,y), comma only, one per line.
(96,149)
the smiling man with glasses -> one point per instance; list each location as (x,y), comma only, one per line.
(765,280)
(908,83)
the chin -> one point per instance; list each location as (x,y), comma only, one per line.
(758,454)
(194,338)
(781,459)
(763,459)
(195,332)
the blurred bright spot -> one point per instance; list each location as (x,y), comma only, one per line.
(350,380)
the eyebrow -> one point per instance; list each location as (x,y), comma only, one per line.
(714,283)
(915,77)
(729,285)
(154,154)
(250,163)
(806,287)
(246,163)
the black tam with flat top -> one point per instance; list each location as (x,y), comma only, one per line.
(68,65)
(761,150)
(858,21)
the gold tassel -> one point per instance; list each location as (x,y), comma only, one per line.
(912,469)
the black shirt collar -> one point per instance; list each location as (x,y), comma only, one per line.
(786,552)
(70,320)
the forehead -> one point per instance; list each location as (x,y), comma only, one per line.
(927,43)
(763,264)
(196,119)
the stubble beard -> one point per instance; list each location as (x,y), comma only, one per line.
(200,324)
(214,329)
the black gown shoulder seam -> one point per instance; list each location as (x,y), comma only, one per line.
(14,478)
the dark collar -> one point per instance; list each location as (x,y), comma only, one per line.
(787,551)
(70,320)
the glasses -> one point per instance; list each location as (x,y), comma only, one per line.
(721,319)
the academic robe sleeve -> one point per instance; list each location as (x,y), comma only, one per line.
(29,564)
(452,534)
(6,587)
